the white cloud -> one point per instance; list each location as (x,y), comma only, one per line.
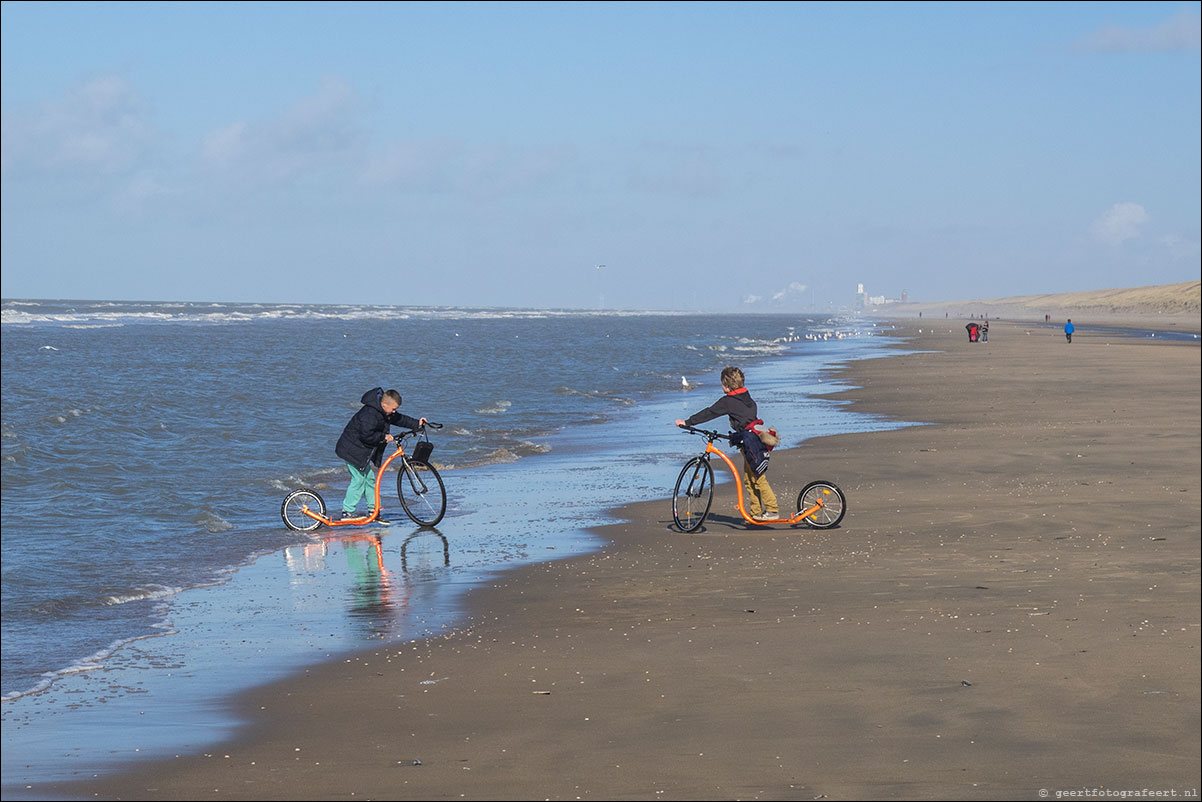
(141,191)
(794,288)
(1180,32)
(680,170)
(97,128)
(413,164)
(778,297)
(1120,222)
(1181,248)
(224,146)
(452,166)
(310,135)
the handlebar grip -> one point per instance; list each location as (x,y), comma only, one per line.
(433,425)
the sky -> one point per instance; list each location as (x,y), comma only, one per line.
(693,156)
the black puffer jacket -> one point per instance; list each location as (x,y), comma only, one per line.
(362,441)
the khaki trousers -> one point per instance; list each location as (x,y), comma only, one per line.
(760,498)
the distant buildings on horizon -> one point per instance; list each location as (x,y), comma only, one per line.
(865,302)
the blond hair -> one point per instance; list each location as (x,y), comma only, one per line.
(732,377)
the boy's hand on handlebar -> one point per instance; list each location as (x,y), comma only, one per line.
(680,422)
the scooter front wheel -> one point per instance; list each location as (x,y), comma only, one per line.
(421,491)
(293,509)
(693,495)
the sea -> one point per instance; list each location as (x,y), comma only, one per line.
(147,447)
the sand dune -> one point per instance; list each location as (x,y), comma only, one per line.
(1178,305)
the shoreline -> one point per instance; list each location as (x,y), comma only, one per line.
(317,600)
(251,527)
(913,652)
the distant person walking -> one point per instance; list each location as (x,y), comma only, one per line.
(1069,328)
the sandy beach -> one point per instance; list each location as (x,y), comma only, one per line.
(1009,610)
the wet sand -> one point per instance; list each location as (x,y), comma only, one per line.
(1010,605)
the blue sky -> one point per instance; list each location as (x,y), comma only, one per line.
(710,155)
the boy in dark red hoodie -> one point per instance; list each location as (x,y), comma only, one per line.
(738,405)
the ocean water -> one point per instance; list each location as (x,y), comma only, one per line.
(147,447)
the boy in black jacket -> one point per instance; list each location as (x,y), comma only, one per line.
(362,442)
(741,409)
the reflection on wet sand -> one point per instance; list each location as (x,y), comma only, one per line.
(422,557)
(377,596)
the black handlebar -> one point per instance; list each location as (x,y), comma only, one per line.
(429,425)
(712,435)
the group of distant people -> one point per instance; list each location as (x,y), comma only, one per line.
(979,332)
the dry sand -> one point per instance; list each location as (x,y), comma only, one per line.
(1010,605)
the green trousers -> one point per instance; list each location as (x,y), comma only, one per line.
(363,484)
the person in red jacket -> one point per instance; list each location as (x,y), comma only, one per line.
(738,405)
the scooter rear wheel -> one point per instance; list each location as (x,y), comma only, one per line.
(834,505)
(293,509)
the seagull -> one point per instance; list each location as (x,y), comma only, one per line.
(684,384)
(598,267)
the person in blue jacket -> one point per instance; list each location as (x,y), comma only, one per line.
(1069,328)
(361,444)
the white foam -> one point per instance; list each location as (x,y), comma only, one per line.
(497,408)
(110,313)
(90,663)
(214,523)
(150,592)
